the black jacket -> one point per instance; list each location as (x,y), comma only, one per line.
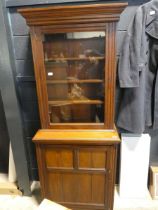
(138,65)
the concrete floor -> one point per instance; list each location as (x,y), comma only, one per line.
(146,203)
(17,202)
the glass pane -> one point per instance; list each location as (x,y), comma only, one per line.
(74,64)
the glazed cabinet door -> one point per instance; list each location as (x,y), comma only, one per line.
(74,70)
(75,80)
(78,176)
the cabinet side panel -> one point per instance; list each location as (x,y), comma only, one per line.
(41,169)
(38,58)
(111,176)
(110,75)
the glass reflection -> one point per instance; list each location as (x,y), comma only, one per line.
(74,64)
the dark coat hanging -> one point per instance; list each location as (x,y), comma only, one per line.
(138,65)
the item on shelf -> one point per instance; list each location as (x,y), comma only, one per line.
(55,116)
(82,56)
(76,92)
(61,55)
(92,53)
(72,78)
(66,113)
(72,112)
(61,113)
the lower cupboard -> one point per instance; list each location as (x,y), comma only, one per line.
(77,173)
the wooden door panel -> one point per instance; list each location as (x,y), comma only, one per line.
(92,159)
(98,188)
(78,188)
(59,158)
(54,188)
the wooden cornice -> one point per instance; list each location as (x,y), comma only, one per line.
(89,13)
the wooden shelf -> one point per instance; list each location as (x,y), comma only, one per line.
(69,102)
(74,81)
(75,58)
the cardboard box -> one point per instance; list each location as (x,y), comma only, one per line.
(50,205)
(153,186)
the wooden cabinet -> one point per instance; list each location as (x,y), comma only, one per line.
(77,168)
(74,55)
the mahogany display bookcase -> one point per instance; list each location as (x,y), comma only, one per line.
(74,53)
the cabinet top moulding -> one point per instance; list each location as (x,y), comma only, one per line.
(73,14)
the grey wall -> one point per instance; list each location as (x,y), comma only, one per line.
(4,140)
(11,104)
(24,75)
(26,87)
(13,3)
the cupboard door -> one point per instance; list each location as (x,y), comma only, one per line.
(77,175)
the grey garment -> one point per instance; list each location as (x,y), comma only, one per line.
(137,71)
